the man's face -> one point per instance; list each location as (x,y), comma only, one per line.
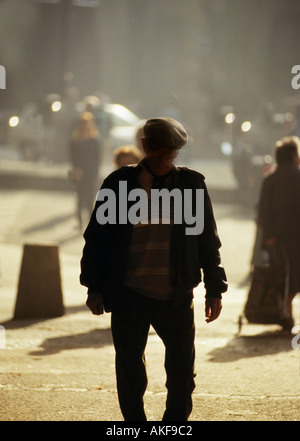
(160,159)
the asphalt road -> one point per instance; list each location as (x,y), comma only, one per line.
(63,368)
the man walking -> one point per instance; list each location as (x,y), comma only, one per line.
(144,272)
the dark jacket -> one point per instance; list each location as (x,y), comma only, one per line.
(279,216)
(85,154)
(104,255)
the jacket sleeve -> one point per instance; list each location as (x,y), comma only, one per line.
(95,255)
(214,276)
(93,262)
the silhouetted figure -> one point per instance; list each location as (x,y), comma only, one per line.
(85,158)
(103,121)
(145,272)
(279,215)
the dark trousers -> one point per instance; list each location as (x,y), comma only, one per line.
(130,325)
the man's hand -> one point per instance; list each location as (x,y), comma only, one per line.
(95,303)
(213,308)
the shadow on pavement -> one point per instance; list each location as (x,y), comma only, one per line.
(96,338)
(49,224)
(25,323)
(266,343)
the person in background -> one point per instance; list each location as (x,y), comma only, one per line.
(85,159)
(95,105)
(279,214)
(126,155)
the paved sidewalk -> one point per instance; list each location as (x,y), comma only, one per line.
(41,175)
(62,369)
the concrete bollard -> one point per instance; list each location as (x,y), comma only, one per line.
(39,290)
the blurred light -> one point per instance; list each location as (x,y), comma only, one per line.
(268,159)
(56,106)
(278,118)
(246,126)
(122,113)
(289,117)
(229,118)
(13,121)
(226,148)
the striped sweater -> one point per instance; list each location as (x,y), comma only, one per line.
(149,253)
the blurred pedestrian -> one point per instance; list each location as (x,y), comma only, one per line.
(279,216)
(96,106)
(85,158)
(131,153)
(126,155)
(145,273)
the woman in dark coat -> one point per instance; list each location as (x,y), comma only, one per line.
(85,158)
(279,212)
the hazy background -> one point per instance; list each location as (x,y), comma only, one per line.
(186,58)
(196,60)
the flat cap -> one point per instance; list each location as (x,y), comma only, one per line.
(165,132)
